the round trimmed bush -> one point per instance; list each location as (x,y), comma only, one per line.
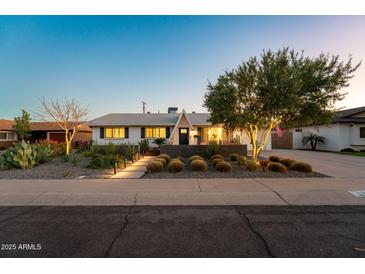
(274,159)
(161,160)
(287,162)
(215,161)
(179,158)
(264,163)
(154,167)
(277,167)
(223,166)
(199,165)
(233,157)
(165,156)
(252,165)
(242,160)
(195,157)
(300,166)
(216,156)
(176,166)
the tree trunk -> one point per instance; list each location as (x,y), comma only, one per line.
(67,141)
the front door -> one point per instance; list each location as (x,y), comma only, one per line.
(183,136)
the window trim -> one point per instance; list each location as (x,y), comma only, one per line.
(113,130)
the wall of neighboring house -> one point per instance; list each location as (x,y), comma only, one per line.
(7,138)
(338,136)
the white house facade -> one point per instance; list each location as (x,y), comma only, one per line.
(347,130)
(177,128)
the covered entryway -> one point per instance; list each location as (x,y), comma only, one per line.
(183,136)
(285,141)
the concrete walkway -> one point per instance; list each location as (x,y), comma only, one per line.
(331,164)
(258,191)
(134,171)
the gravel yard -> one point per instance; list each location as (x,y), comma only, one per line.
(237,172)
(57,170)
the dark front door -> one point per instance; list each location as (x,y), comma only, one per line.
(183,136)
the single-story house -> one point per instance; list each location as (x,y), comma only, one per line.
(347,130)
(50,131)
(7,135)
(177,128)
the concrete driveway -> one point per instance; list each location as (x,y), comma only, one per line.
(331,164)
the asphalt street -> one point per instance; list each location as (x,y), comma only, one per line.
(182,231)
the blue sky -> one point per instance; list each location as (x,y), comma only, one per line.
(111,63)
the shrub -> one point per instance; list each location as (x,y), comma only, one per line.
(176,166)
(251,165)
(264,163)
(277,167)
(195,157)
(275,159)
(154,166)
(215,161)
(44,153)
(105,161)
(21,155)
(300,166)
(348,149)
(87,153)
(162,161)
(166,157)
(75,161)
(287,162)
(233,156)
(198,165)
(58,149)
(242,160)
(216,156)
(179,158)
(144,145)
(224,166)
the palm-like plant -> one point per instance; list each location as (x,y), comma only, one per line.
(159,141)
(313,139)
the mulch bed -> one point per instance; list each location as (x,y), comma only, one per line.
(57,170)
(237,172)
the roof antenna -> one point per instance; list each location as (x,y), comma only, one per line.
(144,106)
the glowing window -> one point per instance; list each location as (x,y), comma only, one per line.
(118,133)
(156,132)
(183,131)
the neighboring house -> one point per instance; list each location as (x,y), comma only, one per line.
(7,135)
(177,128)
(347,130)
(50,131)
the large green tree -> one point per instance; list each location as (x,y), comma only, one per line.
(282,88)
(22,126)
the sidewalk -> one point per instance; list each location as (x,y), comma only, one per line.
(255,191)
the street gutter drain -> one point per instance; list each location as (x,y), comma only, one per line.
(358,194)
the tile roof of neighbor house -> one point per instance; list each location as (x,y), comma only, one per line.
(50,126)
(6,124)
(148,119)
(346,116)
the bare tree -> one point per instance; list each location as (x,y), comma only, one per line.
(69,115)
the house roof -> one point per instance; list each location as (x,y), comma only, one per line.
(50,126)
(148,119)
(6,124)
(347,116)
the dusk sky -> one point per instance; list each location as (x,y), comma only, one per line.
(111,63)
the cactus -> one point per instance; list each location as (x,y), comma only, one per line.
(22,155)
